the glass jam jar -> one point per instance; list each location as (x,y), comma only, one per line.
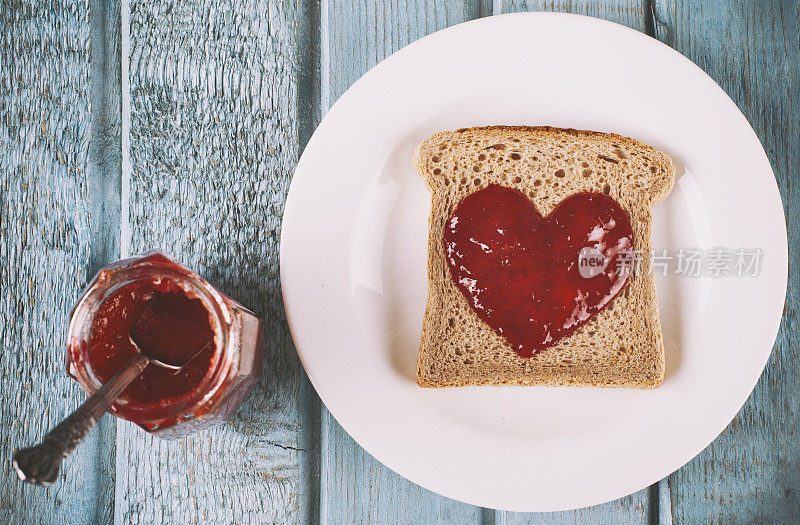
(164,402)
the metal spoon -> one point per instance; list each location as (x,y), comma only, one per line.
(40,464)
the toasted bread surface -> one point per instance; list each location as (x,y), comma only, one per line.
(622,345)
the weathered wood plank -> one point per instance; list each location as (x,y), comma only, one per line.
(213,142)
(628,12)
(105,155)
(357,34)
(356,488)
(310,111)
(630,509)
(750,473)
(46,235)
(641,507)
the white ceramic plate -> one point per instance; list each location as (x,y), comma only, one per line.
(353,256)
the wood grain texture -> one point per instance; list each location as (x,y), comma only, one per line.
(45,239)
(105,155)
(630,509)
(309,109)
(356,488)
(643,506)
(213,142)
(631,13)
(750,473)
(357,34)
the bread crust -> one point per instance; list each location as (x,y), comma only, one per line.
(621,346)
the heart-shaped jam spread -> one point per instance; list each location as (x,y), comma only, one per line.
(534,279)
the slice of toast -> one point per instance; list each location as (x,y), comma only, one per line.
(620,346)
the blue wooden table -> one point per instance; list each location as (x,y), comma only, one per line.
(132,124)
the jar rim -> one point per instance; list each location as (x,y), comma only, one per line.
(126,272)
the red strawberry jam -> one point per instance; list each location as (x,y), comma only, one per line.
(167,325)
(520,272)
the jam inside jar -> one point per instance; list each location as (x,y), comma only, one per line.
(174,316)
(167,325)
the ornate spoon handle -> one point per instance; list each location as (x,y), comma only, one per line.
(40,464)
